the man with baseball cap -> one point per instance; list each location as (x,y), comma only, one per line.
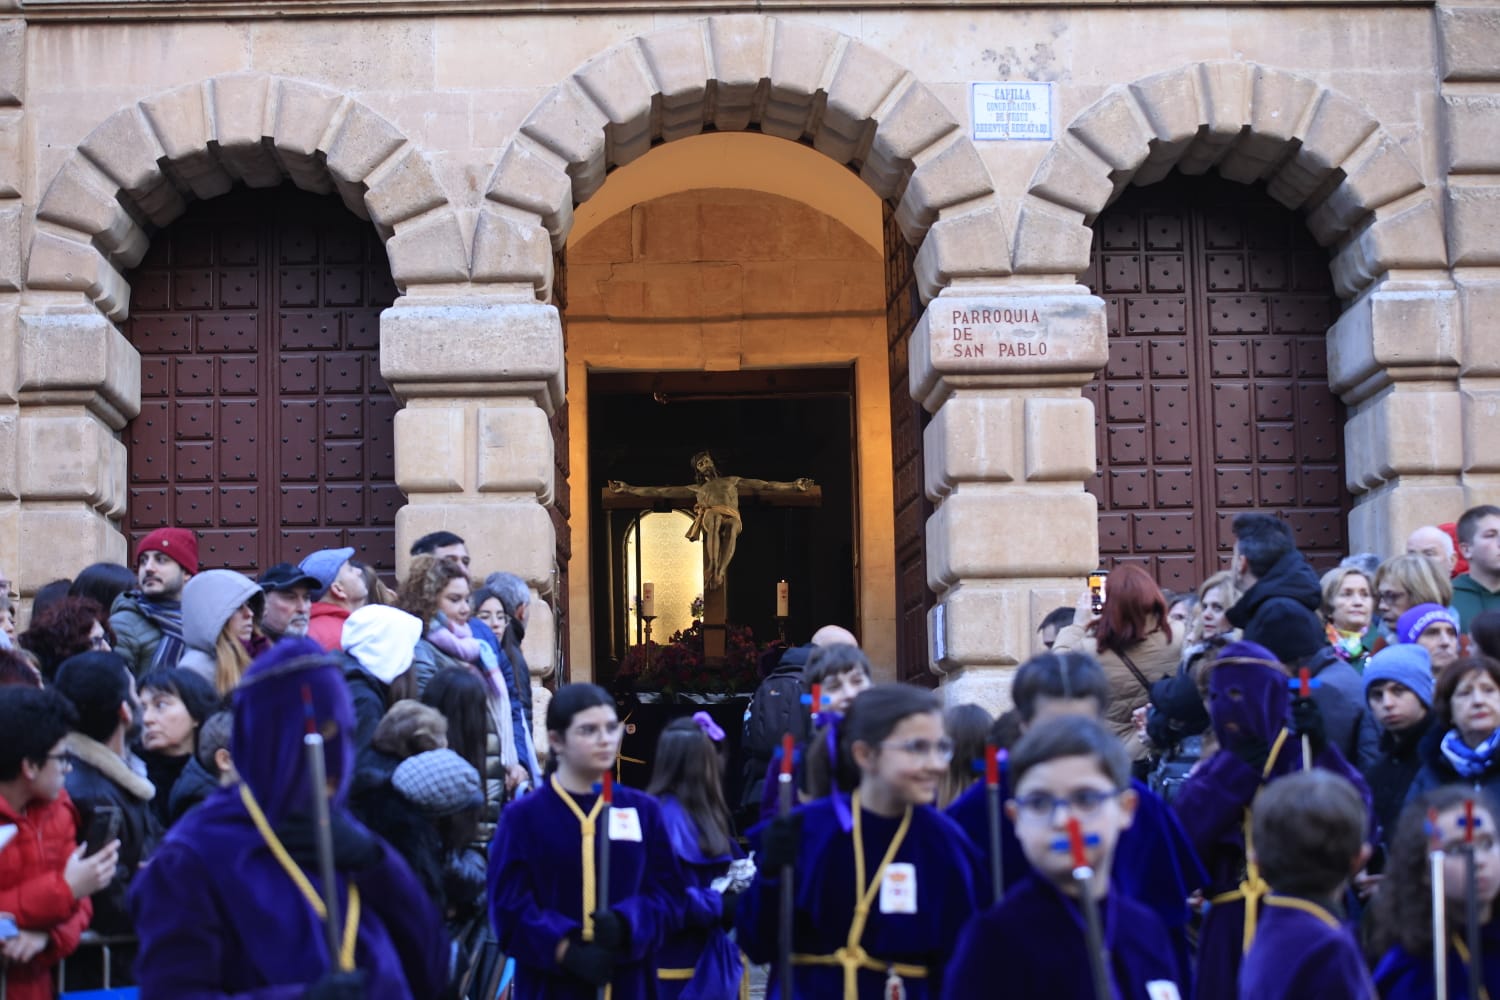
(147,621)
(289,596)
(342,581)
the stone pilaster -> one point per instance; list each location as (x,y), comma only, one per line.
(479,378)
(12,190)
(1009,446)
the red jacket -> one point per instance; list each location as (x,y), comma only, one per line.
(32,888)
(325,625)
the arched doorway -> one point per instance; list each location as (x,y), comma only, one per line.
(264,426)
(1216,397)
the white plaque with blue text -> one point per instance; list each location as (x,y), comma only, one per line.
(1011,110)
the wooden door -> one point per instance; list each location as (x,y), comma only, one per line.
(265,426)
(1216,397)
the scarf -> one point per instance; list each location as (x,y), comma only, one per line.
(166,616)
(1469,763)
(458,641)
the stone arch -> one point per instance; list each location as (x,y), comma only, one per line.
(140,167)
(785,78)
(1316,150)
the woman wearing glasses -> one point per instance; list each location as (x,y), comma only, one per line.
(544,892)
(883,882)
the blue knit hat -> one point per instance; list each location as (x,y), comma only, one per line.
(1411,625)
(1405,663)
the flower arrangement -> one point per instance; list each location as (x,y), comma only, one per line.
(678,666)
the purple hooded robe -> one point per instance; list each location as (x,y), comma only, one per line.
(216,913)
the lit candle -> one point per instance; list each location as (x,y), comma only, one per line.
(783,595)
(648,600)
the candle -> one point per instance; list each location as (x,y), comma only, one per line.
(648,600)
(783,595)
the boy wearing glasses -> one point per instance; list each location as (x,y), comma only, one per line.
(45,880)
(1066,768)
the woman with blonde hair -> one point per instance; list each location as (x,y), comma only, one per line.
(219,611)
(1348,607)
(1216,596)
(1403,582)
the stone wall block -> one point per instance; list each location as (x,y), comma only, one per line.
(678,60)
(11,268)
(569,125)
(1470,37)
(1405,422)
(55,541)
(1481,415)
(738,47)
(972,438)
(1115,128)
(973,245)
(241,121)
(76,200)
(539,647)
(1279,103)
(1338,127)
(125,149)
(428,250)
(180,121)
(1474,224)
(1202,154)
(1008,533)
(1473,133)
(1479,302)
(1381,520)
(1072,176)
(431,450)
(1411,237)
(531,180)
(515,534)
(619,83)
(1225,88)
(915,122)
(363,141)
(1377,175)
(61,264)
(1415,328)
(73,356)
(986,686)
(1059,440)
(10,346)
(980,624)
(1351,346)
(1171,104)
(65,458)
(404,187)
(800,58)
(9,484)
(512,249)
(12,62)
(1050,240)
(515,451)
(949,176)
(304,112)
(860,84)
(11,158)
(464,342)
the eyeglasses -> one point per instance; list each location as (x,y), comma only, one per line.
(64,761)
(1084,802)
(941,749)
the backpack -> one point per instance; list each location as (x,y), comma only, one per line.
(775,710)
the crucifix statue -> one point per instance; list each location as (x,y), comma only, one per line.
(716,519)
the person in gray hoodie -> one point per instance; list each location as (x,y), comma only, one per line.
(379,642)
(219,609)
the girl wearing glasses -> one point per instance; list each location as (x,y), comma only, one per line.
(879,901)
(544,867)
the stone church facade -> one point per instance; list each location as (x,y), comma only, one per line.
(468,135)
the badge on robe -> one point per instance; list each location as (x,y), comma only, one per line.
(1162,989)
(624,824)
(898,888)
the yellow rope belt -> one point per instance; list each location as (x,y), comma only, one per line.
(278,850)
(590,884)
(852,956)
(682,975)
(1463,955)
(1253,888)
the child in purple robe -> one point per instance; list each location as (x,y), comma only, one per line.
(1308,838)
(1249,704)
(877,907)
(1033,943)
(1401,917)
(232,903)
(544,863)
(698,962)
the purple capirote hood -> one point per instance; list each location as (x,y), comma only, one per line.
(270,720)
(1248,694)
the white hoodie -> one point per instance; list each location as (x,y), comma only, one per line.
(382,639)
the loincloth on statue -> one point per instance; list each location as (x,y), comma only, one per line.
(700,510)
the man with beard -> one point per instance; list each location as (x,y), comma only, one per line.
(105,779)
(147,622)
(290,593)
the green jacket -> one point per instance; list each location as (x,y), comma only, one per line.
(136,636)
(1470,598)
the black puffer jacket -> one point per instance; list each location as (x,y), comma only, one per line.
(1392,773)
(1288,593)
(375,802)
(100,777)
(193,786)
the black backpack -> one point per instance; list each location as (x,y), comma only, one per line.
(776,710)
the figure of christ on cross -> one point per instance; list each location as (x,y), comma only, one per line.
(716,510)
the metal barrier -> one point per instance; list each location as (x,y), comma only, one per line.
(104,942)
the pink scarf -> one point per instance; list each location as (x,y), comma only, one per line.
(455,640)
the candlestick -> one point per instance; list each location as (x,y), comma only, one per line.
(783,599)
(648,600)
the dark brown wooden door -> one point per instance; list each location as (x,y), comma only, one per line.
(908,419)
(1216,397)
(265,426)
